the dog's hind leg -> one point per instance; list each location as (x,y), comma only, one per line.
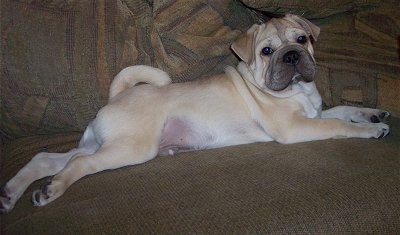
(42,165)
(110,156)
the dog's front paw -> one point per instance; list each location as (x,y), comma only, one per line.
(366,115)
(380,130)
(380,116)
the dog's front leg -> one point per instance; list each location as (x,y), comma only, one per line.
(356,114)
(303,129)
(111,155)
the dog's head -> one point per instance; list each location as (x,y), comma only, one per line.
(279,52)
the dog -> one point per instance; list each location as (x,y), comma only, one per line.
(269,96)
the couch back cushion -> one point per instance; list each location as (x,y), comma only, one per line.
(59,57)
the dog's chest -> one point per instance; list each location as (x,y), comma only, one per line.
(309,98)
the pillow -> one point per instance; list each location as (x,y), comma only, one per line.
(310,8)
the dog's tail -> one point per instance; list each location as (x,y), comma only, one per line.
(130,76)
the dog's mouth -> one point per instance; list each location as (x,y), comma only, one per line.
(290,66)
(301,78)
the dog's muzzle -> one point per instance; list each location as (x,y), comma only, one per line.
(290,64)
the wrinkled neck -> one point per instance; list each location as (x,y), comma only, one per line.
(248,76)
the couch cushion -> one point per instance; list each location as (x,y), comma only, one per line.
(322,187)
(49,62)
(312,8)
(59,58)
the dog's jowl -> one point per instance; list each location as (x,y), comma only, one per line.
(269,96)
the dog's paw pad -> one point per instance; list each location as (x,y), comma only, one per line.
(382,116)
(375,119)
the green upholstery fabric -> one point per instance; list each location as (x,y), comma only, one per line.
(59,57)
(323,187)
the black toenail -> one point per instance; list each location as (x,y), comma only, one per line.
(382,135)
(37,197)
(374,119)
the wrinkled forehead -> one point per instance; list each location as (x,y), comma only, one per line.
(279,30)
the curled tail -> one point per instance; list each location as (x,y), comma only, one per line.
(130,76)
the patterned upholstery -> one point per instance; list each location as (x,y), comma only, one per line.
(58,58)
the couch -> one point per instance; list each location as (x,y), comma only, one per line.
(58,59)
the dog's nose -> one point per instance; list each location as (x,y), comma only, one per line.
(291,57)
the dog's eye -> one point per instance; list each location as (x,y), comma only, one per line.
(302,39)
(267,50)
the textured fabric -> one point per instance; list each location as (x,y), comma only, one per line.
(48,82)
(58,58)
(313,8)
(188,39)
(358,58)
(325,187)
(15,153)
(58,61)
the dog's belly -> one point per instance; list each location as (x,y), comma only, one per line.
(180,135)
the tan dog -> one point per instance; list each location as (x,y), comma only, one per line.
(270,96)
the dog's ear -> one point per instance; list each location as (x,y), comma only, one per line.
(309,27)
(244,45)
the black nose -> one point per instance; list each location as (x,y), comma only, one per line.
(291,57)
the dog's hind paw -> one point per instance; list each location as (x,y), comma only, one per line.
(6,204)
(48,193)
(39,198)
